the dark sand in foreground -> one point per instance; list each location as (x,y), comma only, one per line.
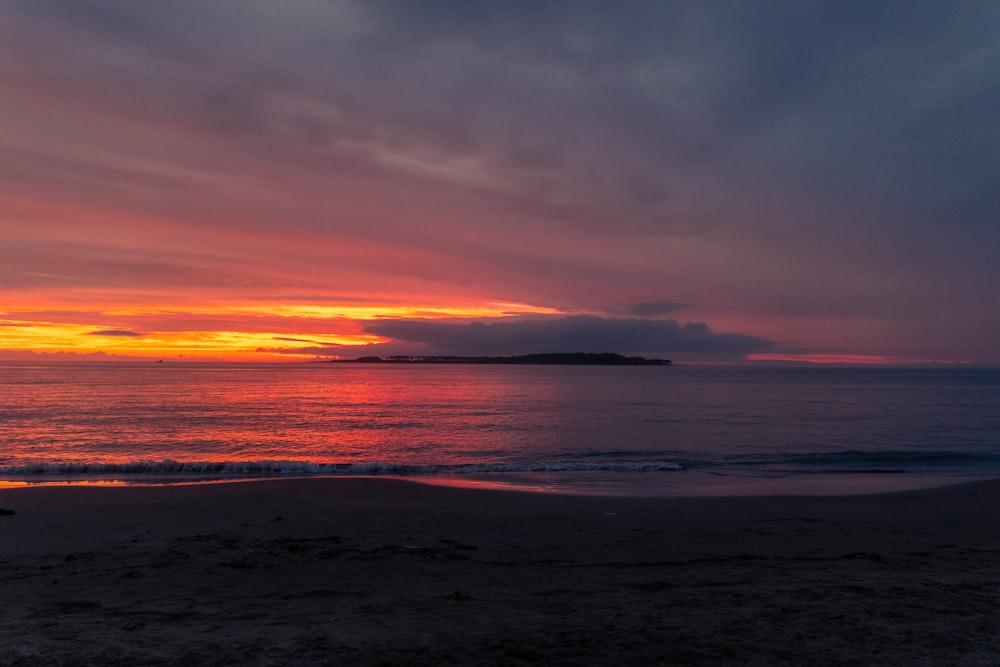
(362,571)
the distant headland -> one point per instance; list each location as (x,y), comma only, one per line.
(547,359)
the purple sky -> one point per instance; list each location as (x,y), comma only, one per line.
(701,180)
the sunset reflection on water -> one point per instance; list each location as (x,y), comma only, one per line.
(119,414)
(569,429)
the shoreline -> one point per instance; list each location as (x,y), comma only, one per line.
(388,571)
(673,484)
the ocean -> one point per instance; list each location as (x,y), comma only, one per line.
(674,430)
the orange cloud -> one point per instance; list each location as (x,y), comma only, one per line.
(259,331)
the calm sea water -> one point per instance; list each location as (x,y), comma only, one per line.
(643,430)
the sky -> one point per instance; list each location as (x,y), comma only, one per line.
(698,181)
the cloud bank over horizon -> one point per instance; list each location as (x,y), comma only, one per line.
(581,333)
(807,176)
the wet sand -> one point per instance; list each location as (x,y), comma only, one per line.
(387,572)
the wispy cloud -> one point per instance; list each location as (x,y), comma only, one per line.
(116,333)
(790,170)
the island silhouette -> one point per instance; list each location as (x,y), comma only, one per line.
(548,358)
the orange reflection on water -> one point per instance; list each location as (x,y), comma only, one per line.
(7,484)
(489,485)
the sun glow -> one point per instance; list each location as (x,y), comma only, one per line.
(257,331)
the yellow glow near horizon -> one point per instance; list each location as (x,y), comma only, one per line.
(275,330)
(81,339)
(41,335)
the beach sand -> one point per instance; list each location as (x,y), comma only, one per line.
(388,572)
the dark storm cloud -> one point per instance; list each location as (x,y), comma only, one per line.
(571,334)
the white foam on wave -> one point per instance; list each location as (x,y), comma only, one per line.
(238,469)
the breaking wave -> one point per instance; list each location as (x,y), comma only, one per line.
(853,461)
(251,469)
